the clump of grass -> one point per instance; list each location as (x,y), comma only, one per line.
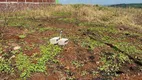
(61,14)
(68,20)
(46,29)
(91,24)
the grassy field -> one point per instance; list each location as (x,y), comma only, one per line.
(105,43)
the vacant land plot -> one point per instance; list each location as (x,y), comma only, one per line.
(105,43)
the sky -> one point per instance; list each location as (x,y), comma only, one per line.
(101,2)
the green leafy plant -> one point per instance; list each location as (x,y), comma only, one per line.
(5,66)
(112,62)
(77,64)
(128,48)
(91,43)
(46,29)
(22,36)
(84,73)
(25,65)
(48,52)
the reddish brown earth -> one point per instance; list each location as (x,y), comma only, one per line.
(88,60)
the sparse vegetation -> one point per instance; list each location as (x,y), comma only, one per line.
(112,62)
(5,66)
(104,42)
(22,36)
(25,65)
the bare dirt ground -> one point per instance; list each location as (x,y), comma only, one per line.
(87,61)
